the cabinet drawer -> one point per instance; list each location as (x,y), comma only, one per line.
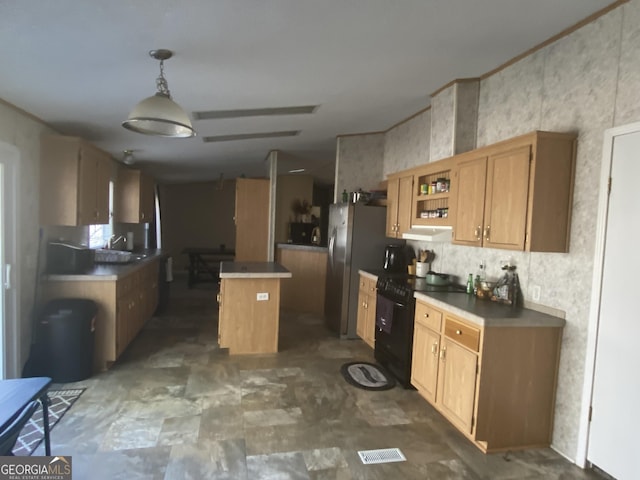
(367,284)
(462,333)
(428,316)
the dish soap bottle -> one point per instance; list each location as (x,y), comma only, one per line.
(345,196)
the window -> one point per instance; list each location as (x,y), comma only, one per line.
(99,235)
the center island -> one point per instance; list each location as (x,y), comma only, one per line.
(249,306)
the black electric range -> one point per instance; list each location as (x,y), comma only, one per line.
(395,311)
(402,286)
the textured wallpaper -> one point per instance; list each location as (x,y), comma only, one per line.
(23,132)
(628,98)
(568,86)
(442,123)
(407,145)
(359,161)
(466,118)
(584,83)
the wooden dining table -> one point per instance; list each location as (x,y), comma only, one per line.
(204,263)
(16,394)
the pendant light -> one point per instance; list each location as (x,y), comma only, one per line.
(158,114)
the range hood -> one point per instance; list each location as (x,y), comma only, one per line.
(429,234)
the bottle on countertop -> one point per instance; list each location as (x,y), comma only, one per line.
(480,277)
(345,196)
(470,283)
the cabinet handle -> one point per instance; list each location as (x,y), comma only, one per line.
(426,315)
(477,231)
(443,353)
(486,231)
(434,348)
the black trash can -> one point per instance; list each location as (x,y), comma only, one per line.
(67,328)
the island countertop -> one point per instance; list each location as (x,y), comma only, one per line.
(297,246)
(253,270)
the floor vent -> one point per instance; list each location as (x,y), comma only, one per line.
(385,455)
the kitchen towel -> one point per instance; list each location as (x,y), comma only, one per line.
(384,313)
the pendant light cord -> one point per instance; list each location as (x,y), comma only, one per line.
(161,82)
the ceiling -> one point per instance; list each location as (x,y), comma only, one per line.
(81,66)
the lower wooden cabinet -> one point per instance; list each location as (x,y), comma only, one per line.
(249,315)
(124,306)
(495,384)
(305,291)
(366,318)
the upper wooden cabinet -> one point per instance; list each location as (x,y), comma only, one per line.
(516,194)
(74,182)
(431,194)
(399,197)
(135,196)
(252,219)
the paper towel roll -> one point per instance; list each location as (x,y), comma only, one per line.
(169,266)
(129,242)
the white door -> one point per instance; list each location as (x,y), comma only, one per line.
(615,423)
(9,325)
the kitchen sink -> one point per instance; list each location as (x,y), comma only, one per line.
(118,256)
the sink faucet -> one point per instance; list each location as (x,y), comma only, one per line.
(114,239)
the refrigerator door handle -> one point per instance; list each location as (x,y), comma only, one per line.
(332,244)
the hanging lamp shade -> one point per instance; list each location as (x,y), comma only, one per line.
(158,114)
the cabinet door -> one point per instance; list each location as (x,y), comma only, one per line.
(361,322)
(392,206)
(88,170)
(505,214)
(470,177)
(147,198)
(252,220)
(104,168)
(223,321)
(405,198)
(424,367)
(370,328)
(457,384)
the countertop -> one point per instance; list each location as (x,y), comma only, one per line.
(487,313)
(253,270)
(102,272)
(484,313)
(296,246)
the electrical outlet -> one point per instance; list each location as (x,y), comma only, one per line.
(262,296)
(535,293)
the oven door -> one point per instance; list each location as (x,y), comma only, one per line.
(394,337)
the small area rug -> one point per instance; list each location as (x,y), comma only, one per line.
(33,432)
(367,376)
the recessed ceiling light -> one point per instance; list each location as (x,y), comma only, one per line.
(250,136)
(254,112)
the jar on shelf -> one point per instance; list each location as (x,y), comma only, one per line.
(441,185)
(433,188)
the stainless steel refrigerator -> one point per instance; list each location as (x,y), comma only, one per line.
(356,241)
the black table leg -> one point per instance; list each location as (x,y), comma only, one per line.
(44,400)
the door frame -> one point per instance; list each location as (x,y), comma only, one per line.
(10,157)
(596,287)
